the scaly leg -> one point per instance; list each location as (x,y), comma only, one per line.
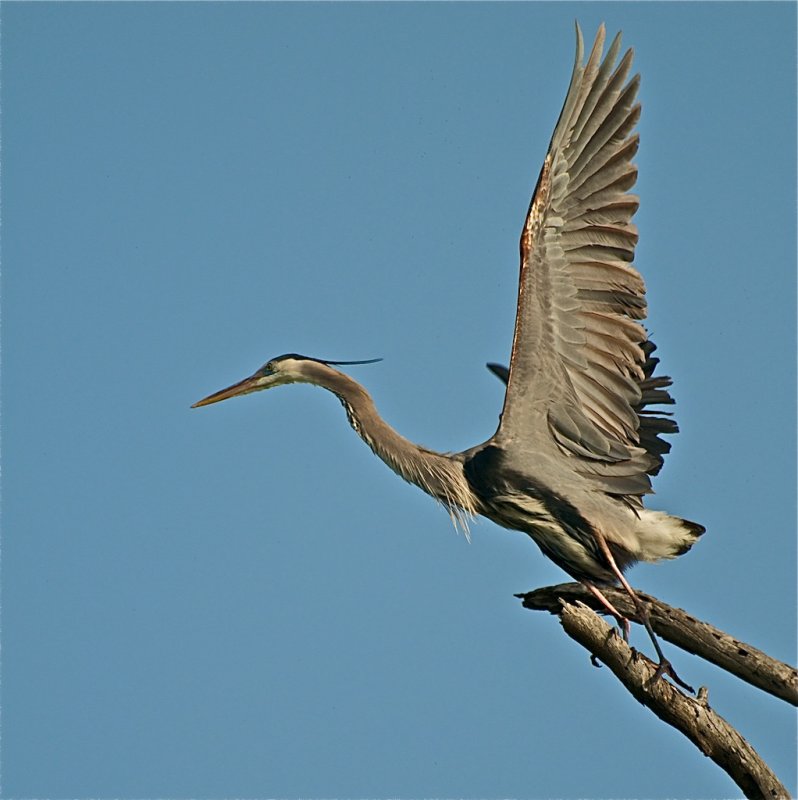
(664,667)
(623,623)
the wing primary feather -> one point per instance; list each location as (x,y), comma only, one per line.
(610,164)
(615,120)
(598,86)
(573,87)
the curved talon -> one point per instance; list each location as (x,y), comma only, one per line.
(594,661)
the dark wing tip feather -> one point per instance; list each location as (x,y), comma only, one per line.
(500,371)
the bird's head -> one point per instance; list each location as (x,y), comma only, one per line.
(290,368)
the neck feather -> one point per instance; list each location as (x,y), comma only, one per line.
(438,474)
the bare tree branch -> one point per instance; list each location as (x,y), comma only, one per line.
(713,736)
(685,631)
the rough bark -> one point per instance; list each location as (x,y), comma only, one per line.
(685,631)
(713,736)
(692,716)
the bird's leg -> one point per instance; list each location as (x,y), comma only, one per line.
(623,623)
(664,667)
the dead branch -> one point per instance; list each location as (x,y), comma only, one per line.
(685,631)
(713,736)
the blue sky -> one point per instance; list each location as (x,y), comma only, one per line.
(241,601)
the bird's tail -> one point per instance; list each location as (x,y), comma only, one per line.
(663,536)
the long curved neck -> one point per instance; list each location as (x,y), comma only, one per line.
(439,475)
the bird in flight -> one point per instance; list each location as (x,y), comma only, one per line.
(578,440)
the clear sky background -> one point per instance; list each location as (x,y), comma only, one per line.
(242,601)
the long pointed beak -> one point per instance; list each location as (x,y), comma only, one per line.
(246,386)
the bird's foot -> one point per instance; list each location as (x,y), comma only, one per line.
(666,668)
(594,661)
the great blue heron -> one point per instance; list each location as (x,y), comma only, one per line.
(577,443)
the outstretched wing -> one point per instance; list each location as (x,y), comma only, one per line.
(577,369)
(653,423)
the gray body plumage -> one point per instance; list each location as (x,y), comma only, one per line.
(577,441)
